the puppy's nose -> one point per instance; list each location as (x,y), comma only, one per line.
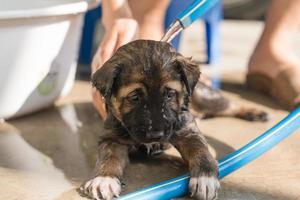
(155,134)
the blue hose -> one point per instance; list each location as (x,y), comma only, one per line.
(187,17)
(194,11)
(179,186)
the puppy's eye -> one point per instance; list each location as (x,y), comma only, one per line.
(170,94)
(133,97)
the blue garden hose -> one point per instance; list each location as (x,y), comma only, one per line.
(179,186)
(187,17)
(194,11)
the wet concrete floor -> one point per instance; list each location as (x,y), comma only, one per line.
(48,154)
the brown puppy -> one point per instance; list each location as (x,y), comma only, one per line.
(147,86)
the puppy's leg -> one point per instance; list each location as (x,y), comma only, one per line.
(111,161)
(193,148)
(212,103)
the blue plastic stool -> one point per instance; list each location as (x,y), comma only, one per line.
(88,30)
(212,24)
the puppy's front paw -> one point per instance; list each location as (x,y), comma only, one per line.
(203,186)
(101,187)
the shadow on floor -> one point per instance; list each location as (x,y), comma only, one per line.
(64,140)
(245,93)
(68,136)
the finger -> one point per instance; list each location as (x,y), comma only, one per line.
(99,103)
(124,38)
(96,62)
(105,50)
(108,45)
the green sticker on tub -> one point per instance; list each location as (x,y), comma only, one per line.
(48,84)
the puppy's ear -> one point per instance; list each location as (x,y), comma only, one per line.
(105,78)
(189,72)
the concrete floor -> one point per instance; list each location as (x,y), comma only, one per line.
(48,154)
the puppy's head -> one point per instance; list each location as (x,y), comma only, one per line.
(146,86)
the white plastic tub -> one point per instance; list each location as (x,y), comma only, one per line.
(39,42)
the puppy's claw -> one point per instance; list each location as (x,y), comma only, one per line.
(95,193)
(204,187)
(151,149)
(193,185)
(254,115)
(101,187)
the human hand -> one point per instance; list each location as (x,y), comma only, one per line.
(120,28)
(118,33)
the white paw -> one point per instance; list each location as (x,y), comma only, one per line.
(102,187)
(204,187)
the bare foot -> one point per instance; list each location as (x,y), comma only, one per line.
(274,51)
(274,68)
(270,59)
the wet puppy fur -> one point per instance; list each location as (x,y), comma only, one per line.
(147,87)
